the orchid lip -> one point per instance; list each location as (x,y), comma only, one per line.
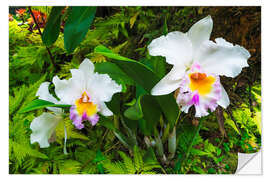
(84,109)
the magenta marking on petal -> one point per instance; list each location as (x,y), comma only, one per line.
(72,112)
(195,66)
(94,119)
(78,123)
(84,116)
(77,120)
(195,99)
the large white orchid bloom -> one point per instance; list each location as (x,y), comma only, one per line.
(86,91)
(197,64)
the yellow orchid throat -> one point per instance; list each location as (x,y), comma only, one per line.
(201,82)
(83,105)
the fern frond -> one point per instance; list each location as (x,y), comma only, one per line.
(69,167)
(21,151)
(151,167)
(114,167)
(128,163)
(148,172)
(138,161)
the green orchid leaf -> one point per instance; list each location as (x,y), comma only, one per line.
(150,157)
(151,114)
(169,108)
(114,104)
(103,121)
(114,72)
(52,28)
(135,111)
(146,78)
(77,25)
(39,104)
(140,73)
(156,63)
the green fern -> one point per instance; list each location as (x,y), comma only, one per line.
(69,167)
(129,166)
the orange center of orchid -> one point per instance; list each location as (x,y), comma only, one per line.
(85,105)
(201,82)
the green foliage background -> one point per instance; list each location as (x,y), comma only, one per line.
(128,31)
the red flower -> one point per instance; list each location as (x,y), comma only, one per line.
(40,18)
(20,12)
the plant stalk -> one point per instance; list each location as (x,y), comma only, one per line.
(48,50)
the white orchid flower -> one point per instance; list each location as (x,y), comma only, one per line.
(44,125)
(86,91)
(197,64)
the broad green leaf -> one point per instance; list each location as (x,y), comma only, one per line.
(114,72)
(114,104)
(131,124)
(134,69)
(151,114)
(39,103)
(169,107)
(77,25)
(103,121)
(52,29)
(140,91)
(156,63)
(134,112)
(144,77)
(150,157)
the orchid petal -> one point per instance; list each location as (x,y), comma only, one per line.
(104,110)
(87,67)
(222,58)
(67,90)
(175,46)
(44,94)
(169,83)
(101,87)
(224,101)
(43,127)
(200,32)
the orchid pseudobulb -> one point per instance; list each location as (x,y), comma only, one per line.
(86,92)
(197,64)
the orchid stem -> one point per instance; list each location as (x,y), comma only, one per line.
(48,50)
